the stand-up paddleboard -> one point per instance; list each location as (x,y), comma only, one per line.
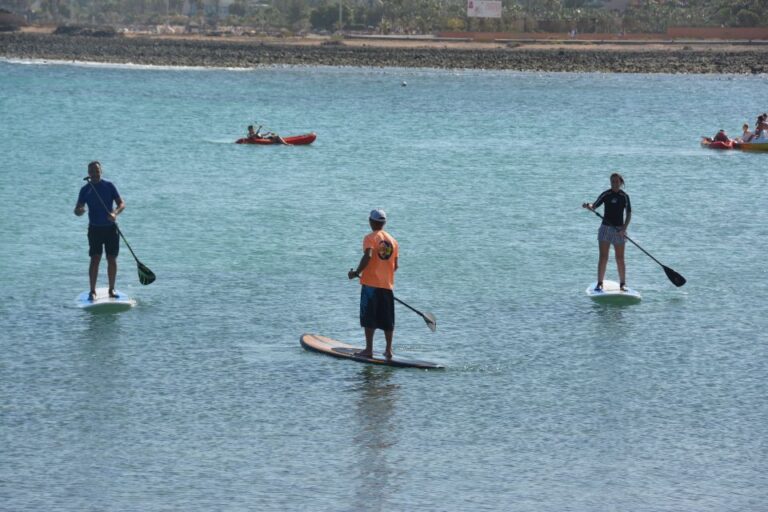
(612,294)
(328,346)
(104,303)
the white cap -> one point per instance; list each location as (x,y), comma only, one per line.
(378,215)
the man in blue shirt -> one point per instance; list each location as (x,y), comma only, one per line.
(99,195)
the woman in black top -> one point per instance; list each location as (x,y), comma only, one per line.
(613,229)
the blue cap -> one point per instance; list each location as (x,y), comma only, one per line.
(378,215)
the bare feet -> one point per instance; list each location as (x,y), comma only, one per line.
(91,295)
(112,293)
(388,354)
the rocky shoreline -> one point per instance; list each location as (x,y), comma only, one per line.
(212,52)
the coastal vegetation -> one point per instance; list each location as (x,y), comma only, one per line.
(399,16)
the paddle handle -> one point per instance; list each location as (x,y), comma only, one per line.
(410,307)
(126,242)
(429,318)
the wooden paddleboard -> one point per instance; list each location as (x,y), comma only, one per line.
(331,347)
(104,303)
(612,294)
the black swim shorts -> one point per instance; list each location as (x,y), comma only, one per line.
(377,308)
(103,238)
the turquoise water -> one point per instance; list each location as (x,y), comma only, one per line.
(201,398)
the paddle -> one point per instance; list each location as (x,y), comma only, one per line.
(428,317)
(146,276)
(673,276)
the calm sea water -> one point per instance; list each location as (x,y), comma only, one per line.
(201,398)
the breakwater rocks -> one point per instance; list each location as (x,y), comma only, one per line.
(243,54)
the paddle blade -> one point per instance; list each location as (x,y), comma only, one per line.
(146,276)
(431,321)
(673,276)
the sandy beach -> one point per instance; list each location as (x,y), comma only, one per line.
(245,52)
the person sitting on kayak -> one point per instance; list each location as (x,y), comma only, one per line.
(746,135)
(761,129)
(721,137)
(256,134)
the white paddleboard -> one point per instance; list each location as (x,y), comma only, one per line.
(103,302)
(612,294)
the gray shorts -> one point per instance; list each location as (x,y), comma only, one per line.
(610,234)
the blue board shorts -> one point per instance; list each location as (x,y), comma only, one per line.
(377,308)
(610,234)
(103,238)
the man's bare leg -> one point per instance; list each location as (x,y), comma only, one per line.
(388,335)
(93,274)
(112,274)
(368,352)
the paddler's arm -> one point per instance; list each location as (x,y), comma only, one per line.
(361,266)
(79,209)
(623,229)
(117,211)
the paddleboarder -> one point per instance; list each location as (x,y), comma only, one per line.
(613,229)
(102,228)
(376,271)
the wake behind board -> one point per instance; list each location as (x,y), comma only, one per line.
(104,303)
(612,294)
(331,347)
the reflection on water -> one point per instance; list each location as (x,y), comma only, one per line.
(100,321)
(376,432)
(100,358)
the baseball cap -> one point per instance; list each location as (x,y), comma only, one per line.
(378,215)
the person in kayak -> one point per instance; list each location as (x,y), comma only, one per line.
(376,271)
(256,134)
(761,129)
(746,135)
(721,137)
(102,227)
(613,228)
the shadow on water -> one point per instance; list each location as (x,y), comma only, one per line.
(375,434)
